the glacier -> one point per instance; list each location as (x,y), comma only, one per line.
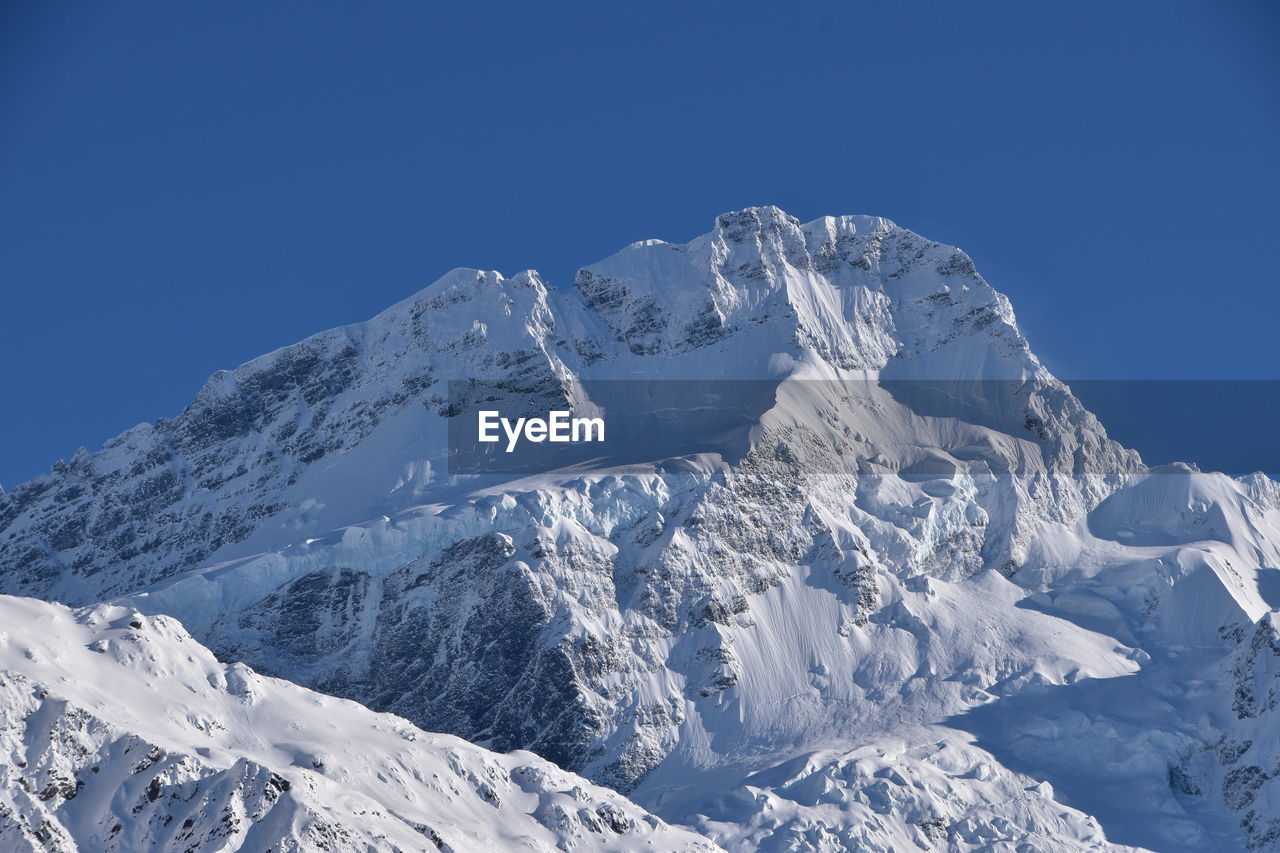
(922,602)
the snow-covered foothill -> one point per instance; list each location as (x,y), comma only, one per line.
(119,732)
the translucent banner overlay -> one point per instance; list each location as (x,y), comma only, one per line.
(1217,425)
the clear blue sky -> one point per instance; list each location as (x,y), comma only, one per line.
(184,186)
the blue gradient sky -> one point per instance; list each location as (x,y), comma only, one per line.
(184,186)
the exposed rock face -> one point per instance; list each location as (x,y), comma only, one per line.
(1240,765)
(163,497)
(908,530)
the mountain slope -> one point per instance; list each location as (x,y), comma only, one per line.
(119,732)
(910,526)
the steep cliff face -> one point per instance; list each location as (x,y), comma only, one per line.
(918,522)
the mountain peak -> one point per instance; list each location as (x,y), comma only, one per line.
(760,296)
(760,219)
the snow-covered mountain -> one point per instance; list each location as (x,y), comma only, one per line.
(119,732)
(923,601)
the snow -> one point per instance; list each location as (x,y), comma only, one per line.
(920,600)
(119,732)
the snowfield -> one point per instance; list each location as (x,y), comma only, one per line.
(900,592)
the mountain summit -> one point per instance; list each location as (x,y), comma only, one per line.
(348,424)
